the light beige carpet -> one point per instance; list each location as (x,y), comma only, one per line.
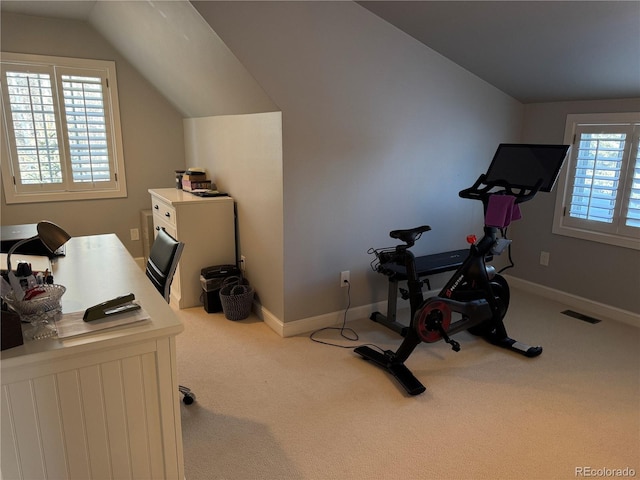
(274,408)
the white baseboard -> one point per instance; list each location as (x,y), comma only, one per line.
(141,262)
(581,304)
(310,324)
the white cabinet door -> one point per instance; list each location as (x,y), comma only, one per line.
(99,416)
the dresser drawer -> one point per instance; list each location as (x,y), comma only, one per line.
(160,222)
(163,211)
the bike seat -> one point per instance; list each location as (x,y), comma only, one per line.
(410,235)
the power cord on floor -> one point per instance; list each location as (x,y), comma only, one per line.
(352,336)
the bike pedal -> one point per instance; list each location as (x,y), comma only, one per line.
(455,346)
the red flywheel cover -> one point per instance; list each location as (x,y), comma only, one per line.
(432,307)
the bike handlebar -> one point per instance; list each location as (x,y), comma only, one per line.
(478,192)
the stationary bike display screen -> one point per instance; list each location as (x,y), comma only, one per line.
(524,165)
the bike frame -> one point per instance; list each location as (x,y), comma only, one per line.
(469,292)
(474,291)
(472,272)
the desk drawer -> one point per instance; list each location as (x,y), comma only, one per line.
(163,211)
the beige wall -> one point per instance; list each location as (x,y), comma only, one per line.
(379,132)
(599,272)
(243,155)
(152,132)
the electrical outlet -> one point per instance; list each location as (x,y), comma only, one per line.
(544,258)
(243,263)
(135,234)
(344,278)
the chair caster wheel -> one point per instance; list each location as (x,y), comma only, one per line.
(189,398)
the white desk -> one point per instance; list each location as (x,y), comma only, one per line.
(99,406)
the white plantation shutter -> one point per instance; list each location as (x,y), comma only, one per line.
(86,128)
(34,125)
(601,196)
(632,210)
(63,130)
(596,178)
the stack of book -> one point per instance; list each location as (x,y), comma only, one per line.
(195,180)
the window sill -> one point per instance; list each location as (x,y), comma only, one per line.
(606,238)
(18,198)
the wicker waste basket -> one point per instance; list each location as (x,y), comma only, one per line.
(236,299)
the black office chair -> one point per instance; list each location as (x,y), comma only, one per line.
(161,266)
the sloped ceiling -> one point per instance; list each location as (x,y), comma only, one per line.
(170,44)
(535,51)
(177,51)
(73,9)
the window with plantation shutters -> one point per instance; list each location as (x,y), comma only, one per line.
(62,129)
(599,192)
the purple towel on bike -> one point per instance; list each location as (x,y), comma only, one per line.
(501,211)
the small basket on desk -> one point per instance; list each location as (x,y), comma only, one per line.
(236,300)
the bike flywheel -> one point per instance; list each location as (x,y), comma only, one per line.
(433,318)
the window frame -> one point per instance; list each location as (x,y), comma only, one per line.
(617,234)
(115,187)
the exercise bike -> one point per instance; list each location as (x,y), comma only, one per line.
(475,292)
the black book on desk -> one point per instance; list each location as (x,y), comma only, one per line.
(12,234)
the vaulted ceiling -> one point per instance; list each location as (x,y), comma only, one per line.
(535,51)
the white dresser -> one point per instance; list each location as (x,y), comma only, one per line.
(206,225)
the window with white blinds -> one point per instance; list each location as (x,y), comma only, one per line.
(61,122)
(599,192)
